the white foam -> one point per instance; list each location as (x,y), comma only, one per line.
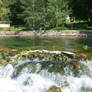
(33,82)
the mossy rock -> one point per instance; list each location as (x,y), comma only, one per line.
(20,56)
(55,57)
(4,58)
(44,56)
(29,67)
(3,62)
(40,55)
(52,67)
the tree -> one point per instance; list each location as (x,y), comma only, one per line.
(57,12)
(4,10)
(38,14)
(16,12)
(82,9)
(34,13)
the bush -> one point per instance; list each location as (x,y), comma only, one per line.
(60,28)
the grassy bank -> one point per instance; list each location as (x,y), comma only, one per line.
(68,26)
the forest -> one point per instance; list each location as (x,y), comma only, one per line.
(44,14)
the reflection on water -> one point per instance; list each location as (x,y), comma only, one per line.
(49,43)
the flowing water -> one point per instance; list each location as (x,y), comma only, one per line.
(20,77)
(31,76)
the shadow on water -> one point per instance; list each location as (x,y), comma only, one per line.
(87,33)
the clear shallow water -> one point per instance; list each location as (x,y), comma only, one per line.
(73,44)
(28,81)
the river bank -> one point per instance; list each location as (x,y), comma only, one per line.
(50,33)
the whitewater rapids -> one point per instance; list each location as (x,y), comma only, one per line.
(25,81)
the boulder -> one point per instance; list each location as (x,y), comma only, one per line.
(13,52)
(83,55)
(54,89)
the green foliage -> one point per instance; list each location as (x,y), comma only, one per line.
(1,29)
(16,12)
(4,10)
(18,28)
(85,47)
(82,9)
(81,26)
(57,11)
(34,13)
(38,14)
(60,28)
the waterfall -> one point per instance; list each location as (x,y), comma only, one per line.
(26,76)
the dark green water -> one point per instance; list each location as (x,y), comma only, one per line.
(74,44)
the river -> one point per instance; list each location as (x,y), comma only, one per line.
(38,76)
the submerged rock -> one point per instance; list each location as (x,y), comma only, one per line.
(76,65)
(54,89)
(83,55)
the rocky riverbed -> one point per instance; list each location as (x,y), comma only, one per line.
(44,71)
(54,61)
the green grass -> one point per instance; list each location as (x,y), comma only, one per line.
(24,28)
(68,26)
(16,29)
(1,29)
(81,26)
(60,28)
(75,26)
